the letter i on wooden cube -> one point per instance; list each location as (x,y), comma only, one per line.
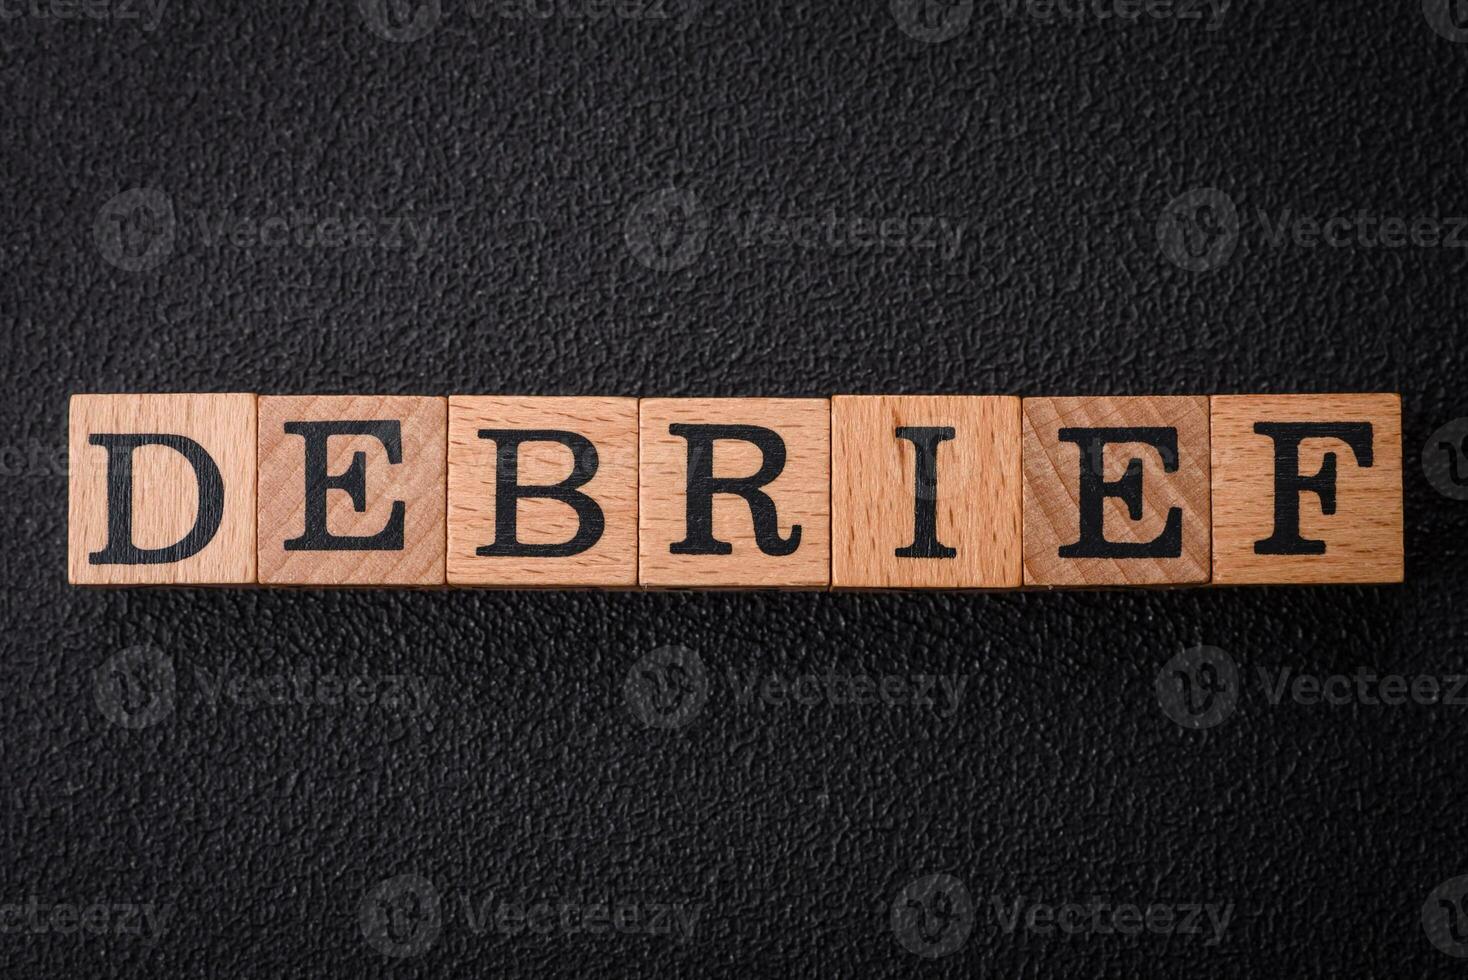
(925,492)
(162,490)
(1116,491)
(352,490)
(735,493)
(1307,489)
(542,492)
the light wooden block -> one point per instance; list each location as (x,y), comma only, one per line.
(1116,491)
(795,552)
(556,541)
(182,499)
(1355,532)
(379,521)
(925,492)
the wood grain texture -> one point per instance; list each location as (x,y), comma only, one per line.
(611,426)
(418,480)
(165,495)
(1363,538)
(874,488)
(1052,479)
(801,494)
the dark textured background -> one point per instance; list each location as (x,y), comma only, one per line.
(1058,145)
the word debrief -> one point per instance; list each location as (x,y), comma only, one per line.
(851,492)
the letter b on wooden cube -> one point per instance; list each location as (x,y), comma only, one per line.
(542,492)
(925,492)
(351,490)
(162,490)
(735,493)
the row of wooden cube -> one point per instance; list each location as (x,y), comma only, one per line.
(884,491)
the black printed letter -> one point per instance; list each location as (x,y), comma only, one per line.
(1289,484)
(702,485)
(353,480)
(508,492)
(1095,488)
(120,549)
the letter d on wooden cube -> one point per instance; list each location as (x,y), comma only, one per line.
(162,490)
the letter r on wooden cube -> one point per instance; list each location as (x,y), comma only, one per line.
(162,490)
(1307,489)
(925,492)
(351,490)
(735,493)
(1116,491)
(542,492)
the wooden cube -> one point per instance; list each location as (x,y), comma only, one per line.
(542,492)
(735,493)
(162,490)
(1307,489)
(1116,491)
(925,492)
(351,490)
